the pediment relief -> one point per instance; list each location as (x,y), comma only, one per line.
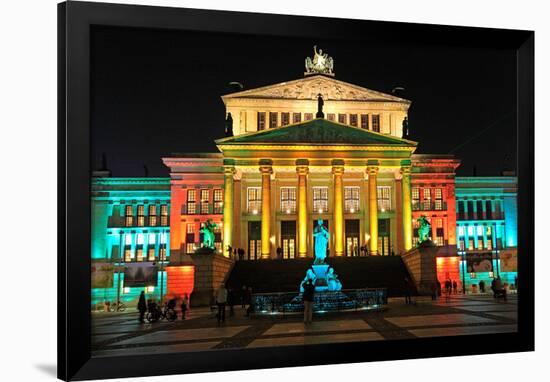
(309,88)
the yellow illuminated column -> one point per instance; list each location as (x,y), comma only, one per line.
(266,171)
(337,173)
(302,171)
(373,209)
(407,207)
(229,171)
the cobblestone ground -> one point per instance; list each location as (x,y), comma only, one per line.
(122,334)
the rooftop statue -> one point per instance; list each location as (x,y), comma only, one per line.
(207,230)
(321,63)
(424,229)
(321,235)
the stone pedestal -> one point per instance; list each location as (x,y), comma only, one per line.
(211,270)
(421,264)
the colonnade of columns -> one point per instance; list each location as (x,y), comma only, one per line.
(302,171)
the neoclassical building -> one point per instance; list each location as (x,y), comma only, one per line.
(296,153)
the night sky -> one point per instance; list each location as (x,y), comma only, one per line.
(157,92)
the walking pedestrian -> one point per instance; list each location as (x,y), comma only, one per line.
(184,304)
(142,307)
(455,287)
(308,297)
(221,301)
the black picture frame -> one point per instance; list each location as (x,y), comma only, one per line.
(74,320)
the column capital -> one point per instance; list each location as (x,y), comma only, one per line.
(302,170)
(372,170)
(302,162)
(405,170)
(266,170)
(229,170)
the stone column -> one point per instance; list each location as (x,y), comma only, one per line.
(302,170)
(338,172)
(372,171)
(228,173)
(407,206)
(266,171)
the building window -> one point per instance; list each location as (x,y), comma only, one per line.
(272,119)
(191,201)
(320,199)
(218,201)
(164,214)
(384,198)
(285,119)
(127,247)
(308,116)
(470,206)
(460,213)
(351,199)
(205,199)
(288,200)
(488,210)
(498,212)
(190,238)
(140,215)
(139,247)
(162,246)
(470,244)
(342,118)
(365,121)
(128,216)
(479,209)
(438,194)
(151,247)
(331,117)
(254,200)
(439,232)
(261,120)
(296,117)
(152,215)
(461,244)
(376,123)
(415,193)
(353,120)
(426,203)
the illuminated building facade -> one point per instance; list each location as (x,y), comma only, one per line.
(487,228)
(296,152)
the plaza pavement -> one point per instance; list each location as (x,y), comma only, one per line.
(122,334)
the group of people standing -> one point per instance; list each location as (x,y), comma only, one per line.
(145,305)
(230,297)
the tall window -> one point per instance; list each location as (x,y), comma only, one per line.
(439,232)
(218,201)
(498,211)
(139,247)
(308,116)
(190,238)
(376,123)
(285,119)
(272,119)
(426,203)
(261,120)
(140,215)
(254,200)
(365,121)
(470,206)
(489,235)
(288,200)
(488,210)
(152,215)
(164,214)
(331,117)
(151,247)
(128,216)
(353,119)
(162,246)
(320,199)
(415,193)
(127,247)
(384,198)
(205,201)
(191,201)
(479,209)
(296,117)
(461,215)
(342,118)
(351,199)
(438,194)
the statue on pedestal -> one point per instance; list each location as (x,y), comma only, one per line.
(321,235)
(424,229)
(207,231)
(332,280)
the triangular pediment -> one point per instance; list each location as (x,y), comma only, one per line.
(317,132)
(310,87)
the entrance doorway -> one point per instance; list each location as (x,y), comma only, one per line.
(288,239)
(352,237)
(384,246)
(254,240)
